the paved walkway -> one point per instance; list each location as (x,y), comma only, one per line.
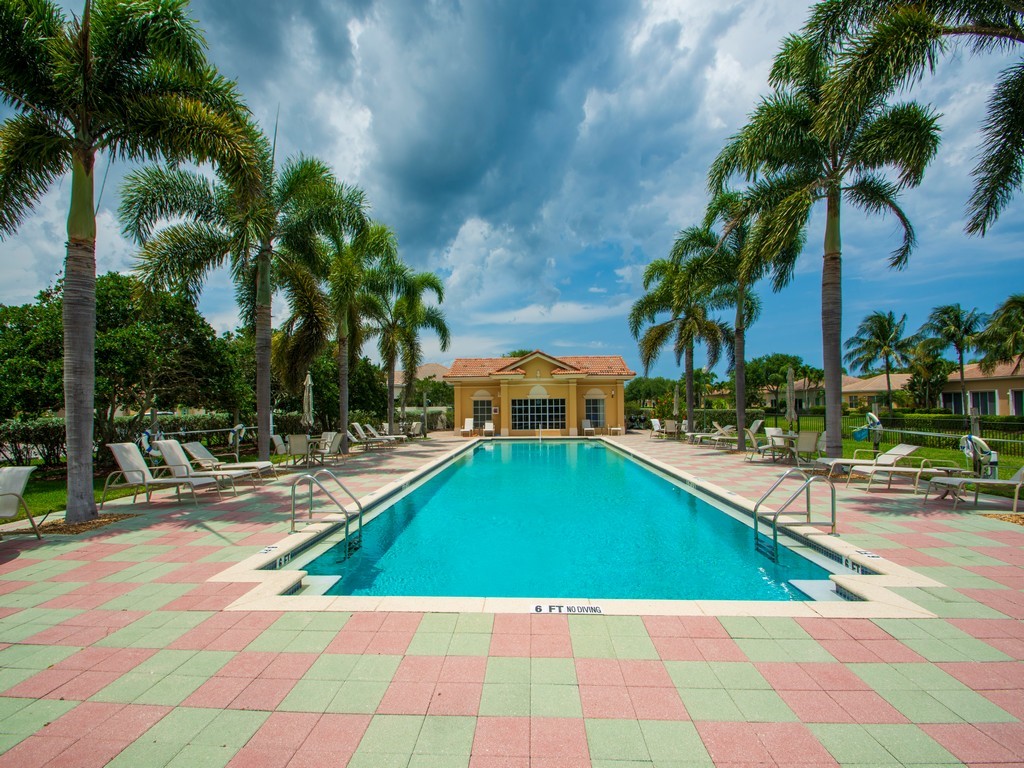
(115,649)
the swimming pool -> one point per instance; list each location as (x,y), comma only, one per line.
(569,518)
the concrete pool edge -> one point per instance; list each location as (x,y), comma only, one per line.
(274,585)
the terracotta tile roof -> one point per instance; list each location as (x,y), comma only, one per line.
(425,371)
(973,371)
(877,383)
(590,365)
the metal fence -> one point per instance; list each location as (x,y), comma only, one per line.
(928,431)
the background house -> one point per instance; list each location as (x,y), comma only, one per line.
(539,392)
(1000,393)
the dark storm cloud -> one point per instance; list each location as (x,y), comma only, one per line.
(476,106)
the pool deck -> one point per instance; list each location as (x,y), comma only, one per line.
(132,646)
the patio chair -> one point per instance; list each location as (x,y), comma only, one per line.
(671,428)
(754,444)
(774,444)
(806,445)
(175,458)
(12,493)
(467,428)
(374,433)
(488,427)
(277,443)
(656,429)
(202,456)
(956,485)
(368,439)
(926,470)
(322,451)
(134,470)
(588,428)
(756,426)
(885,459)
(416,429)
(297,448)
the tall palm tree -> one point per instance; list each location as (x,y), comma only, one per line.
(958,328)
(1002,341)
(326,308)
(795,166)
(671,290)
(883,44)
(396,313)
(212,224)
(126,79)
(879,339)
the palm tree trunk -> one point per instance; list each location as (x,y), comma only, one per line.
(688,364)
(739,347)
(391,397)
(343,388)
(263,334)
(963,389)
(79,318)
(888,387)
(832,327)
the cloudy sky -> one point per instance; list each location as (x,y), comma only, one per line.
(539,155)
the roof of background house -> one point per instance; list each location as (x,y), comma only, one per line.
(876,383)
(589,365)
(425,371)
(1001,371)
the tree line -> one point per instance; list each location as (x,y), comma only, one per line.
(830,134)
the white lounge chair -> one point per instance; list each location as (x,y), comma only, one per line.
(588,428)
(368,439)
(374,433)
(488,427)
(354,442)
(955,485)
(726,432)
(280,449)
(467,428)
(175,458)
(202,456)
(928,469)
(12,493)
(885,459)
(134,470)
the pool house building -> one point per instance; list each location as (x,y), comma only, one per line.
(540,393)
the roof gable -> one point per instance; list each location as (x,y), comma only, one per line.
(515,365)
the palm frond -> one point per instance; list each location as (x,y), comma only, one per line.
(27,30)
(154,193)
(1002,340)
(998,173)
(31,159)
(904,136)
(875,194)
(180,256)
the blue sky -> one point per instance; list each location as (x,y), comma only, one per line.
(539,155)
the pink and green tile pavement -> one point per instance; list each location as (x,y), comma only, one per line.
(116,649)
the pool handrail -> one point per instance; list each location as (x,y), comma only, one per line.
(314,479)
(805,486)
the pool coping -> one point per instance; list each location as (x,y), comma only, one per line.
(273,585)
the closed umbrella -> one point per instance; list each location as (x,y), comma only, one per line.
(790,396)
(307,402)
(675,402)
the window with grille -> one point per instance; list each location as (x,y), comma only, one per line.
(594,410)
(481,413)
(538,413)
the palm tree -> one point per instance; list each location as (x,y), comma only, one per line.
(326,308)
(256,235)
(882,44)
(929,371)
(879,339)
(127,79)
(395,314)
(795,166)
(670,289)
(1002,341)
(958,328)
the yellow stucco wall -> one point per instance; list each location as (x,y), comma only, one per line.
(574,391)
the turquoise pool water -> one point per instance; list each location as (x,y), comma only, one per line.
(559,519)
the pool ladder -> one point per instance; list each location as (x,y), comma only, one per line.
(772,553)
(353,543)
